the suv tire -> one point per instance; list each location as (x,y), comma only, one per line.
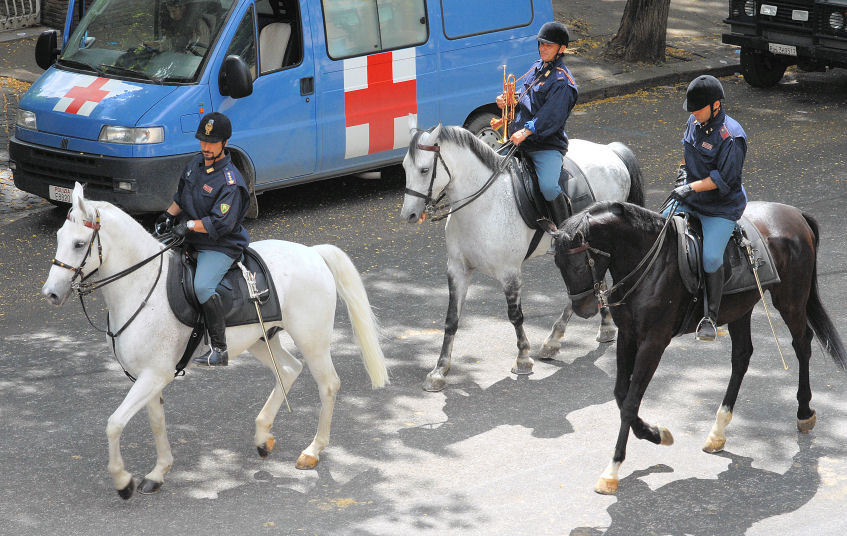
(761,69)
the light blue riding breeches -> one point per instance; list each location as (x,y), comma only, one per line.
(211,268)
(716,234)
(548,167)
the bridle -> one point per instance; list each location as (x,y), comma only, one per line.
(598,284)
(433,207)
(82,288)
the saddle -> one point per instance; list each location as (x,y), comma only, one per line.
(232,290)
(532,205)
(738,273)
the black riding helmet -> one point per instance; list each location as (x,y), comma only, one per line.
(214,127)
(702,91)
(555,33)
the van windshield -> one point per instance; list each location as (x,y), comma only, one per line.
(158,40)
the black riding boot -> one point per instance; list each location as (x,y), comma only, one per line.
(708,326)
(560,209)
(217,355)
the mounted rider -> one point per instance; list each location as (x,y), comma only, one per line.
(709,185)
(210,204)
(548,95)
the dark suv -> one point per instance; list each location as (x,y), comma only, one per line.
(774,34)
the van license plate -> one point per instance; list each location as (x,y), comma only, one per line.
(785,50)
(57,193)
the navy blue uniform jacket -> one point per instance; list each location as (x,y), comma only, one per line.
(218,196)
(717,150)
(548,95)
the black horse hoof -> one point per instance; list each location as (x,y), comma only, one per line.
(148,486)
(263,452)
(126,493)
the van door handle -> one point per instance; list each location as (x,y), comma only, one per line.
(307,86)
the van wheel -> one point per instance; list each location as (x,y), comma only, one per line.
(480,125)
(761,69)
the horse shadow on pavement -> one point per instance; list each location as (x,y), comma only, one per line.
(740,497)
(540,405)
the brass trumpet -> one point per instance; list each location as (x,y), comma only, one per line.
(508,111)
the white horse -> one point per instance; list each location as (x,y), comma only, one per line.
(99,236)
(488,234)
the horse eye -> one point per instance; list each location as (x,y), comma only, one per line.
(424,170)
(79,244)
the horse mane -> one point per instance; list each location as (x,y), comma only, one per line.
(463,139)
(104,207)
(639,218)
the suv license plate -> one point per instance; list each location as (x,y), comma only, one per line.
(785,50)
(57,193)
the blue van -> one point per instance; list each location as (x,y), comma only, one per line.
(314,89)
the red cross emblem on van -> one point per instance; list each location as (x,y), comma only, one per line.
(380,91)
(87,92)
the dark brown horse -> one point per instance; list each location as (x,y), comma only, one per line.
(618,236)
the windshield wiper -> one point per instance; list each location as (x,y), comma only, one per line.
(128,72)
(80,65)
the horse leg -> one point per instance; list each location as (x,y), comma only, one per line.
(553,343)
(148,386)
(458,279)
(289,369)
(607,331)
(323,371)
(512,288)
(742,349)
(793,312)
(164,459)
(643,365)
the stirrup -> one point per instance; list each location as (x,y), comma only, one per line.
(707,330)
(215,357)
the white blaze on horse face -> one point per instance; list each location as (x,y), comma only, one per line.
(72,243)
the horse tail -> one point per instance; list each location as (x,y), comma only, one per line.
(818,318)
(349,284)
(636,188)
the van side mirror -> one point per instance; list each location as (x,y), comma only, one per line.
(235,79)
(47,48)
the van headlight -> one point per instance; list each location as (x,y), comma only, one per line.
(132,135)
(26,119)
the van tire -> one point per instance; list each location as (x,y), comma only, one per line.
(761,69)
(480,125)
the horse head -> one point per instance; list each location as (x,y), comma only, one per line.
(78,250)
(424,183)
(582,266)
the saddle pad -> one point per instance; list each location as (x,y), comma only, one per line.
(531,204)
(738,274)
(232,290)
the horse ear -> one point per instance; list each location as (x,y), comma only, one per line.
(78,201)
(413,123)
(436,132)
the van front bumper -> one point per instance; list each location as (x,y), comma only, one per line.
(830,51)
(152,180)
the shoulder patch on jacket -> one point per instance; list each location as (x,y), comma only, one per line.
(724,132)
(224,208)
(229,178)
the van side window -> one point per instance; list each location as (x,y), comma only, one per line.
(499,15)
(280,34)
(244,42)
(357,27)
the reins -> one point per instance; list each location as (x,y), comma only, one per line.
(83,288)
(437,210)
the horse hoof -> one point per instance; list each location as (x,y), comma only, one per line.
(306,461)
(523,367)
(606,486)
(266,449)
(714,445)
(434,383)
(607,335)
(804,426)
(547,352)
(148,487)
(126,493)
(665,436)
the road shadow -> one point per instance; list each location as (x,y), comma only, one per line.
(741,496)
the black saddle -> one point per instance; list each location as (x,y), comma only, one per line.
(232,290)
(532,205)
(738,273)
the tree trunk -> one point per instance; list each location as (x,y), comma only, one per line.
(643,32)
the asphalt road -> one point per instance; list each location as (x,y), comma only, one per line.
(492,453)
